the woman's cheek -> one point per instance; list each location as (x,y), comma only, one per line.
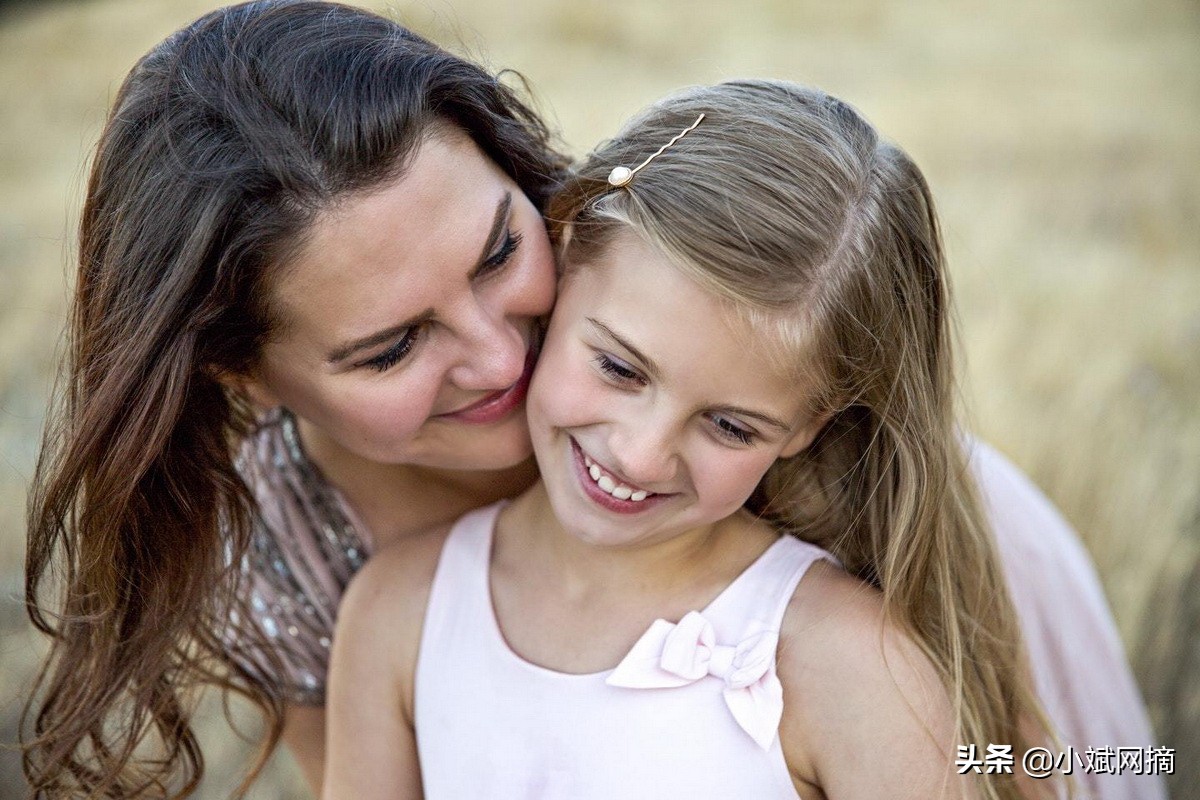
(382,418)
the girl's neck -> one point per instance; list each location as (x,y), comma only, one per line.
(578,608)
(398,500)
(530,532)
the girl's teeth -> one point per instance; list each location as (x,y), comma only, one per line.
(619,491)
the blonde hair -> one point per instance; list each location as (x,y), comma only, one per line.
(787,203)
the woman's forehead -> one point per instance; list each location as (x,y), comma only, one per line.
(375,256)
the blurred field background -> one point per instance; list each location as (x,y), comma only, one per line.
(1062,138)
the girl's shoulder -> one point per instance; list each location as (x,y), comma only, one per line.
(857,687)
(396,580)
(833,619)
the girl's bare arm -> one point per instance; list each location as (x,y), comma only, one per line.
(371,751)
(865,715)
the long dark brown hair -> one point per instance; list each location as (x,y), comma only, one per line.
(222,145)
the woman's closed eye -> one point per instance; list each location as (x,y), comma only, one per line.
(396,353)
(404,345)
(498,259)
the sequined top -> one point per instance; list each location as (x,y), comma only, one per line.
(306,545)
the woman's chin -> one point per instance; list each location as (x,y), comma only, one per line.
(485,452)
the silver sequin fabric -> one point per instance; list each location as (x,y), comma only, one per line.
(306,546)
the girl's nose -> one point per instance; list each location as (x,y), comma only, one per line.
(645,454)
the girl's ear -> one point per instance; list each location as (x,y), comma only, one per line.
(804,437)
(560,249)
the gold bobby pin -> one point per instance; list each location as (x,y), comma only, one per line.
(623,175)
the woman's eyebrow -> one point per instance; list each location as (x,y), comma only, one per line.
(344,351)
(499,223)
(380,337)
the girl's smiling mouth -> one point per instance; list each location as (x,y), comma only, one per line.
(607,489)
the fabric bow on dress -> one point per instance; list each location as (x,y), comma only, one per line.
(670,655)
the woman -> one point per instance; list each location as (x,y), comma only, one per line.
(293,205)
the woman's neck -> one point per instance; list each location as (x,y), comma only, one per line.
(394,501)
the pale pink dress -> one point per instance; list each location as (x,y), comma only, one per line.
(1079,664)
(691,712)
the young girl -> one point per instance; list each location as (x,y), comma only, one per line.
(750,339)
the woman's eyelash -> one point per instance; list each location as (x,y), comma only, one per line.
(615,369)
(498,259)
(394,354)
(731,431)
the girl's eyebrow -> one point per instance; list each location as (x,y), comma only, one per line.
(766,419)
(344,351)
(647,362)
(654,371)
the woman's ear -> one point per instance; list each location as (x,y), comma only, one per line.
(247,386)
(805,436)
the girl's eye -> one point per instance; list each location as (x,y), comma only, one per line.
(394,354)
(618,370)
(498,259)
(733,431)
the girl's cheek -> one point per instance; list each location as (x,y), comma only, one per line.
(565,398)
(565,389)
(728,478)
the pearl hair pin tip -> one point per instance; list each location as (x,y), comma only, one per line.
(621,176)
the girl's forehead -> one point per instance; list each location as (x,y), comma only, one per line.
(634,295)
(782,335)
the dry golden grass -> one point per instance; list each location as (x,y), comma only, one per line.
(1062,138)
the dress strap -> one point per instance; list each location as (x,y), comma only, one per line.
(758,598)
(469,543)
(459,599)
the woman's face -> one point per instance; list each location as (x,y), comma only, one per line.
(654,411)
(409,316)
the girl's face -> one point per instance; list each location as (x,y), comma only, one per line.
(409,316)
(653,411)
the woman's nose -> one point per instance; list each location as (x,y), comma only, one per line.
(492,352)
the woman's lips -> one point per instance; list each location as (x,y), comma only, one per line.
(497,405)
(603,498)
